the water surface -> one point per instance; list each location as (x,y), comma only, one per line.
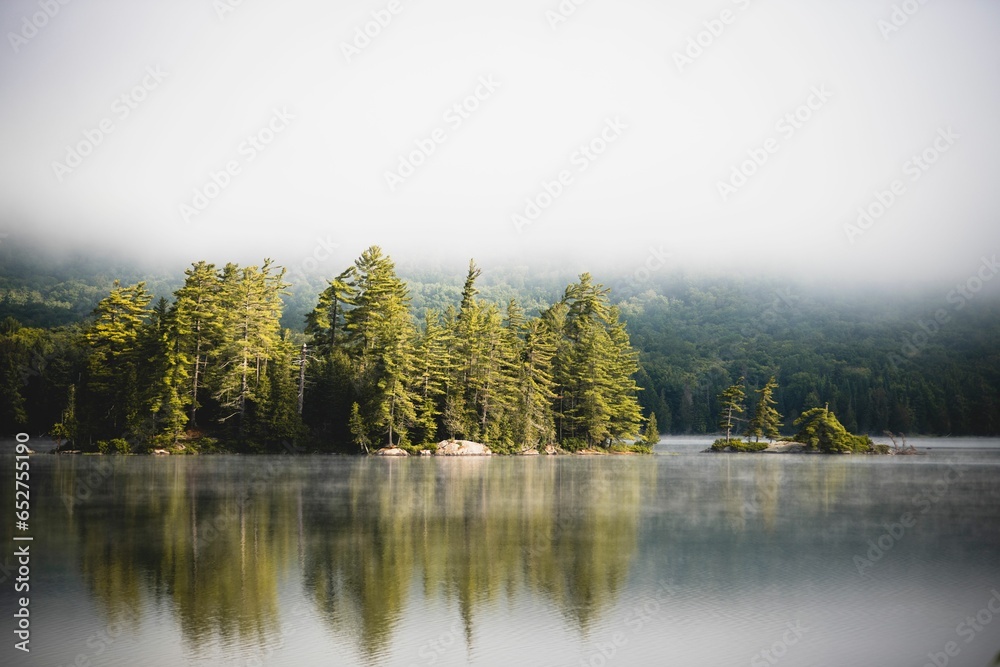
(682,558)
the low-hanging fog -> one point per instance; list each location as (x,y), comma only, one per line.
(855,140)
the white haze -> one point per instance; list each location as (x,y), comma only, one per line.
(317,195)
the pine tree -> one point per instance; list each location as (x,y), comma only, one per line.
(732,406)
(197,320)
(651,436)
(66,427)
(358,428)
(470,350)
(594,369)
(279,421)
(380,337)
(113,400)
(430,376)
(534,415)
(326,321)
(626,414)
(251,303)
(167,374)
(765,421)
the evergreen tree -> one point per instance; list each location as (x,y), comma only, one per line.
(113,402)
(359,429)
(651,436)
(326,321)
(197,320)
(765,421)
(732,406)
(251,302)
(626,413)
(279,421)
(430,376)
(534,416)
(166,372)
(380,336)
(820,430)
(595,369)
(66,427)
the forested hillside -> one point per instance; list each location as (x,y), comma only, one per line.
(882,361)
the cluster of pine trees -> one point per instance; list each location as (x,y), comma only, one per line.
(474,371)
(215,362)
(765,422)
(214,358)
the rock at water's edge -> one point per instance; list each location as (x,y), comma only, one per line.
(390,451)
(462,448)
(785,447)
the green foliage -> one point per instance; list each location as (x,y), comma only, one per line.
(635,448)
(765,421)
(821,431)
(573,444)
(515,373)
(594,368)
(358,428)
(651,435)
(735,444)
(731,401)
(379,344)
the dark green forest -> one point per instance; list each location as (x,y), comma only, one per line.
(495,357)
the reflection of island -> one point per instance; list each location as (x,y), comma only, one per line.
(203,544)
(214,538)
(474,531)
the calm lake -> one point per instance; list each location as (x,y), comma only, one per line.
(678,559)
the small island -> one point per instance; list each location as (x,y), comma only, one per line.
(820,432)
(211,370)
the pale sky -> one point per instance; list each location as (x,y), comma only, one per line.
(184,85)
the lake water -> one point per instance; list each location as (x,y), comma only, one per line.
(679,559)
